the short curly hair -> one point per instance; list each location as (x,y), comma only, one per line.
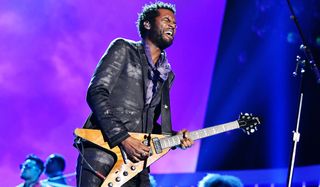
(150,12)
(38,161)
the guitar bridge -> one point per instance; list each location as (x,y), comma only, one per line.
(157,145)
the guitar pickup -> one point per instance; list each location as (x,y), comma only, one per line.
(157,145)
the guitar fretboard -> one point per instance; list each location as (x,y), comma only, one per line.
(198,134)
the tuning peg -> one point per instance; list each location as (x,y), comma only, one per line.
(252,130)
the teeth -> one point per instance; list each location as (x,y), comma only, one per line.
(169,33)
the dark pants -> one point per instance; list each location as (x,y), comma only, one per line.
(102,162)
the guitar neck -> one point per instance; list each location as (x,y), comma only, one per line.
(198,134)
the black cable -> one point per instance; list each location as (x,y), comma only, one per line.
(81,152)
(80,174)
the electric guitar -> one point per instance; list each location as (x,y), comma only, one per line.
(123,169)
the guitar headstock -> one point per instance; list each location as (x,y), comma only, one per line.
(248,123)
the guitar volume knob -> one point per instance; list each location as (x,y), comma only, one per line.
(125,173)
(118,179)
(133,168)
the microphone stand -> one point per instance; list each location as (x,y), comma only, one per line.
(300,64)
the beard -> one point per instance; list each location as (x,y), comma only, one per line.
(158,37)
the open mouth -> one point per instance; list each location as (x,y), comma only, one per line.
(169,33)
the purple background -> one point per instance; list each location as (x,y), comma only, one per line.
(48,52)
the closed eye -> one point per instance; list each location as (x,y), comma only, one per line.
(167,20)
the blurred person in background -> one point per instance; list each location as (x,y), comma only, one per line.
(31,169)
(54,167)
(216,180)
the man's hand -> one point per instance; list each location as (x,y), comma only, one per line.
(186,142)
(135,149)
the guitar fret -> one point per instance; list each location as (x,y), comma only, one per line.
(171,140)
(198,134)
(203,133)
(218,130)
(164,143)
(178,140)
(214,131)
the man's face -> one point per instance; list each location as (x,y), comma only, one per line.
(163,29)
(29,170)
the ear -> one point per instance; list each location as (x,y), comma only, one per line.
(147,25)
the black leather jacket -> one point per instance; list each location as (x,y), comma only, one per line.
(116,94)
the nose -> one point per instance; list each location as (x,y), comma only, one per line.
(172,25)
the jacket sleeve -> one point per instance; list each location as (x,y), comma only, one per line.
(104,79)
